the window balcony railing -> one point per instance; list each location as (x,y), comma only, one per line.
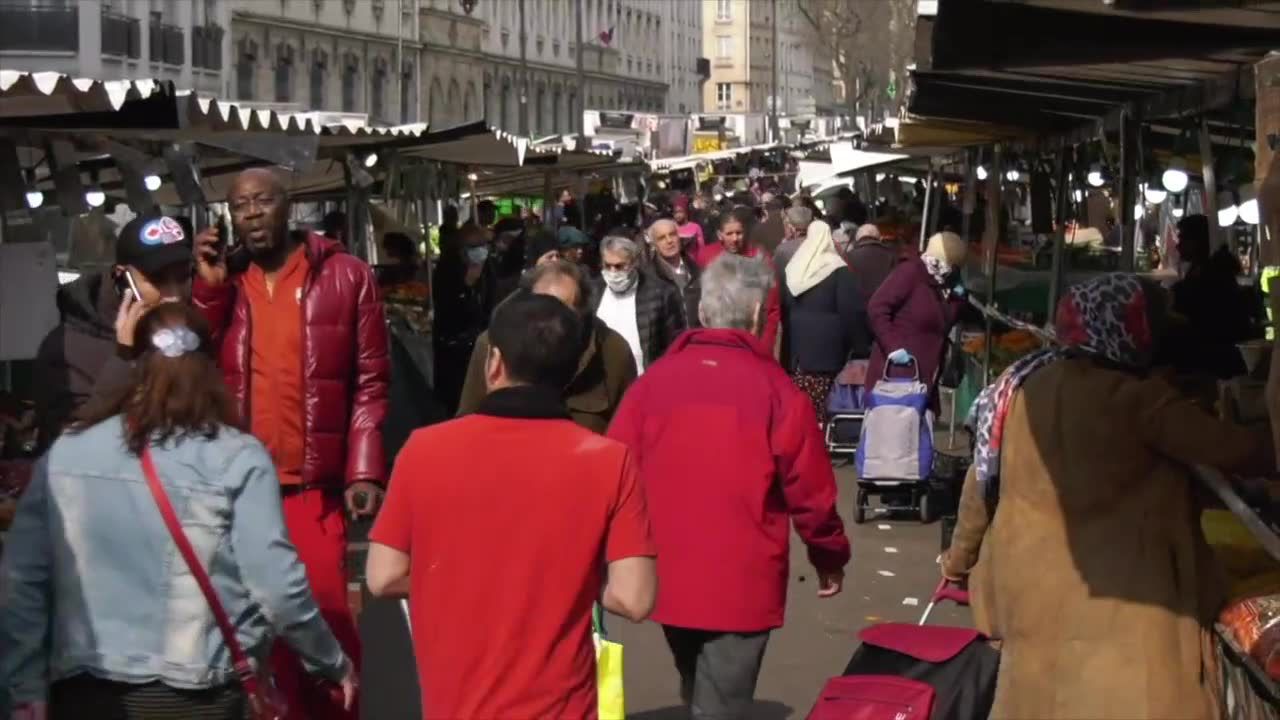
(121,35)
(38,28)
(167,44)
(206,46)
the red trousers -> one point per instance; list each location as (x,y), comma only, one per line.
(318,527)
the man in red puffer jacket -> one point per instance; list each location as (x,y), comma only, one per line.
(303,348)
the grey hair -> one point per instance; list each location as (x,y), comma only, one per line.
(799,217)
(618,243)
(734,289)
(653,227)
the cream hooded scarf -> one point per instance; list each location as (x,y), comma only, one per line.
(815,259)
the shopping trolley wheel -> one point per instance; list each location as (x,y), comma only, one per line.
(860,508)
(926,508)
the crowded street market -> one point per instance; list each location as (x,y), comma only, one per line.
(957,408)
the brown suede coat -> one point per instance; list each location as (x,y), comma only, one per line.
(1092,568)
(605,370)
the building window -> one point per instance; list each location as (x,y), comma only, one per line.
(724,96)
(724,9)
(284,73)
(378,90)
(319,70)
(724,46)
(350,77)
(245,67)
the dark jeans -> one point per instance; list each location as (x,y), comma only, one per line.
(718,670)
(84,696)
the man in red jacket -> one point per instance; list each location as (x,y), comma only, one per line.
(727,449)
(304,350)
(734,236)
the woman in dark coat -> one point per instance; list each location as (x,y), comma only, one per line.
(822,316)
(912,312)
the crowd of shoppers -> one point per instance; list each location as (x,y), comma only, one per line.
(666,384)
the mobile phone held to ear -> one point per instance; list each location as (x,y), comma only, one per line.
(124,281)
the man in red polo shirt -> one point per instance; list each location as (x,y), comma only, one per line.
(303,346)
(499,525)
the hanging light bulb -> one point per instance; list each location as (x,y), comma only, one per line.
(1228,212)
(1249,205)
(1079,195)
(35,199)
(880,177)
(981,172)
(1174,178)
(1012,175)
(1153,194)
(1178,212)
(152,182)
(371,159)
(95,197)
(1095,177)
(1138,211)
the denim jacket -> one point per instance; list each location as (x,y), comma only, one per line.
(91,580)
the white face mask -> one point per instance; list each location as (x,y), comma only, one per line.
(620,281)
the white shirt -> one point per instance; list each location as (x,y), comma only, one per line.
(619,313)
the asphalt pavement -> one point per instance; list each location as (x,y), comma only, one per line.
(890,578)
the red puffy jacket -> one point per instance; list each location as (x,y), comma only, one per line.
(345,361)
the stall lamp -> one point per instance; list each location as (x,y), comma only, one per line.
(719,197)
(152,182)
(1079,195)
(1153,194)
(1012,175)
(822,205)
(473,177)
(95,197)
(1248,206)
(35,199)
(981,172)
(1228,215)
(908,179)
(1139,211)
(880,177)
(662,185)
(1095,176)
(1174,178)
(371,159)
(1178,212)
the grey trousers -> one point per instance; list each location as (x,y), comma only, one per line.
(718,670)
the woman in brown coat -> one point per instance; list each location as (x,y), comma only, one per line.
(606,367)
(1091,567)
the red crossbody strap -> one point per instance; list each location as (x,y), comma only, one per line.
(239,659)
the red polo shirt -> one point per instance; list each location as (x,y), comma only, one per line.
(508,519)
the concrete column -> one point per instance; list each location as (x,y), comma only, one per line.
(90,30)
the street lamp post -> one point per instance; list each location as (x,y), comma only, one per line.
(524,75)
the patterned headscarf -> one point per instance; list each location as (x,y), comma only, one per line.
(1105,318)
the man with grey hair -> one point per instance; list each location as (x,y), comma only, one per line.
(672,263)
(647,312)
(727,448)
(795,224)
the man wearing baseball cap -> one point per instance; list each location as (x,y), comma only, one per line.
(89,351)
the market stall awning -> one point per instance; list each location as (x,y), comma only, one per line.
(689,161)
(1053,66)
(844,159)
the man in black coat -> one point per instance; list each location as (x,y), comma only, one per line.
(646,311)
(672,263)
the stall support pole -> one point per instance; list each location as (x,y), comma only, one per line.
(938,198)
(991,238)
(582,202)
(1130,121)
(924,213)
(475,202)
(1057,269)
(1217,236)
(973,158)
(548,202)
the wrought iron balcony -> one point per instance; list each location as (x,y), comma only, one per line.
(38,28)
(121,35)
(167,44)
(206,46)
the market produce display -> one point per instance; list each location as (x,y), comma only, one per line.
(1007,348)
(1254,624)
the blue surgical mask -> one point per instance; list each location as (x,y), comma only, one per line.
(476,255)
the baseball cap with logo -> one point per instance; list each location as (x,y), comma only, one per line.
(154,243)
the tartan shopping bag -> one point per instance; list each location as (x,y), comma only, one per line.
(608,669)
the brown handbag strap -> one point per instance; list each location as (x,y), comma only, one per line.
(239,659)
